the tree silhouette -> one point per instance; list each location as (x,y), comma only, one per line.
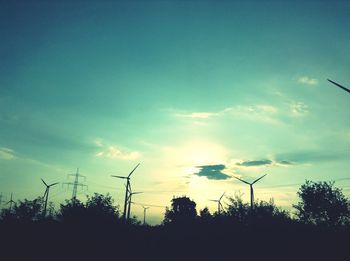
(28,210)
(100,208)
(72,211)
(322,204)
(263,213)
(183,211)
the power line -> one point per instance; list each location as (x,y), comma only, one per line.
(148,205)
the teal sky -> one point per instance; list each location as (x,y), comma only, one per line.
(196,91)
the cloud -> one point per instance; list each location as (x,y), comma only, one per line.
(285,162)
(113,152)
(259,112)
(213,172)
(306,157)
(6,154)
(196,115)
(254,163)
(308,81)
(298,109)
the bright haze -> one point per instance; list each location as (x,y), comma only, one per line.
(196,91)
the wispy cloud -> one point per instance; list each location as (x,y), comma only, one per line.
(213,172)
(260,112)
(298,109)
(196,115)
(114,152)
(6,154)
(308,80)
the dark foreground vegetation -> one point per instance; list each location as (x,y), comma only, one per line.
(319,230)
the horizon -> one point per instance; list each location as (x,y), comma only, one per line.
(197,92)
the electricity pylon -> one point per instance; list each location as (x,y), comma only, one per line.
(46,195)
(127,190)
(75,184)
(251,189)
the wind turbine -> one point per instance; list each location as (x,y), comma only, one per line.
(129,202)
(11,202)
(219,202)
(127,190)
(251,189)
(46,195)
(144,214)
(340,86)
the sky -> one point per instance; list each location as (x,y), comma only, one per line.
(196,91)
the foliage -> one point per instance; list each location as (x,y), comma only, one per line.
(205,215)
(183,211)
(100,207)
(72,210)
(322,204)
(265,213)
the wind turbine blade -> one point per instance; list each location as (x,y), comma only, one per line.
(214,200)
(44,182)
(53,184)
(120,177)
(340,86)
(133,193)
(242,180)
(222,196)
(258,179)
(133,170)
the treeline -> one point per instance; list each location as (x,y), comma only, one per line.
(318,228)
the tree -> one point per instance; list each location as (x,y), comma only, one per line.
(72,211)
(322,204)
(205,214)
(28,210)
(183,211)
(263,213)
(100,208)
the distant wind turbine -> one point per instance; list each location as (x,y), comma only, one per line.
(144,214)
(129,203)
(251,189)
(46,195)
(127,190)
(11,202)
(219,203)
(340,86)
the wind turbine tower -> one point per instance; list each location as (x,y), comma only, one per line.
(251,189)
(46,195)
(11,202)
(219,203)
(144,214)
(129,203)
(127,190)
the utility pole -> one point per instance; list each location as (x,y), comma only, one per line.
(76,183)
